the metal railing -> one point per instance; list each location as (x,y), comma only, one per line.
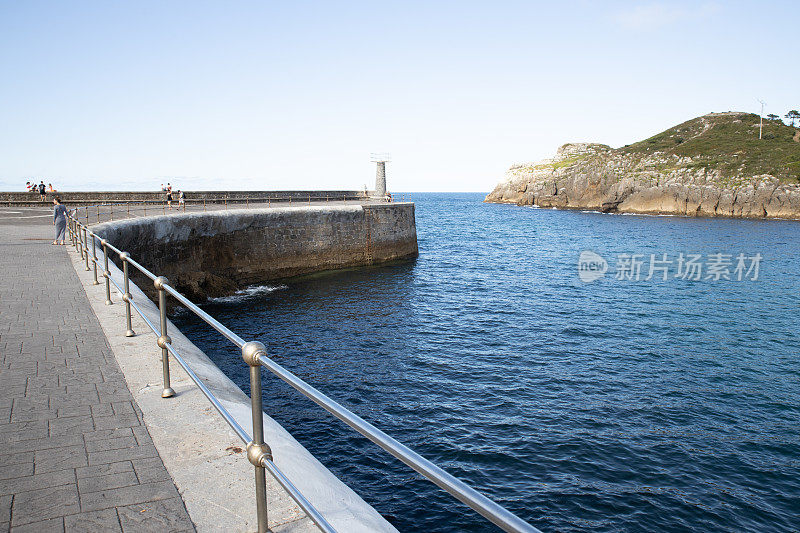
(255,355)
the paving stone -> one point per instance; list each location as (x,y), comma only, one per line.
(142,493)
(142,435)
(53,525)
(70,425)
(104,520)
(16,470)
(38,481)
(110,444)
(103,409)
(66,457)
(74,410)
(15,458)
(116,421)
(41,444)
(42,504)
(16,431)
(104,469)
(5,509)
(111,481)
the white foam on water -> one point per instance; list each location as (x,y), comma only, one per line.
(248,292)
(648,215)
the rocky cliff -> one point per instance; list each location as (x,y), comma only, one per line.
(714,165)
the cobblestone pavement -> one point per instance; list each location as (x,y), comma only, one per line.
(74,453)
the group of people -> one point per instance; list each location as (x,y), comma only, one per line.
(31,186)
(181,196)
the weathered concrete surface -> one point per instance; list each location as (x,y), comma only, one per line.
(204,457)
(214,253)
(74,452)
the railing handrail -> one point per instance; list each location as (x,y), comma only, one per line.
(486,507)
(264,461)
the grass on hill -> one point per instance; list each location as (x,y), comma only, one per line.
(730,143)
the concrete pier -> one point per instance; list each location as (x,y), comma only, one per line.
(87,442)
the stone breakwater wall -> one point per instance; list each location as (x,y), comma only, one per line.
(92,198)
(215,253)
(593,176)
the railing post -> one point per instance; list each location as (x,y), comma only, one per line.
(257,450)
(86,244)
(86,248)
(107,272)
(127,296)
(164,339)
(80,240)
(94,256)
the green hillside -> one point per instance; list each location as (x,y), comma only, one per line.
(729,143)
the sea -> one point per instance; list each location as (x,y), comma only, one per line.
(588,371)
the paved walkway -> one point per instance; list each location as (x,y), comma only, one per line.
(74,453)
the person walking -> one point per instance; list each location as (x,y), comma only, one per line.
(42,191)
(169,197)
(181,200)
(59,220)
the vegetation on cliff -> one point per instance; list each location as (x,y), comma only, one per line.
(729,143)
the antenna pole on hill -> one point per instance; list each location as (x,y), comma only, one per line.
(761,120)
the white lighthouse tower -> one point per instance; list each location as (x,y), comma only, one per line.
(380,159)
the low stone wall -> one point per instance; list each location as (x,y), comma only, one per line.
(92,198)
(214,253)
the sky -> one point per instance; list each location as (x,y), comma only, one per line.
(235,95)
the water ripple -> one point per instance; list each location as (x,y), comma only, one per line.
(612,406)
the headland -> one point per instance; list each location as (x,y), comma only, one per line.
(713,165)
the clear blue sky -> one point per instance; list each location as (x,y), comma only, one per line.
(278,95)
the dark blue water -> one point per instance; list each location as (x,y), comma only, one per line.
(616,405)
